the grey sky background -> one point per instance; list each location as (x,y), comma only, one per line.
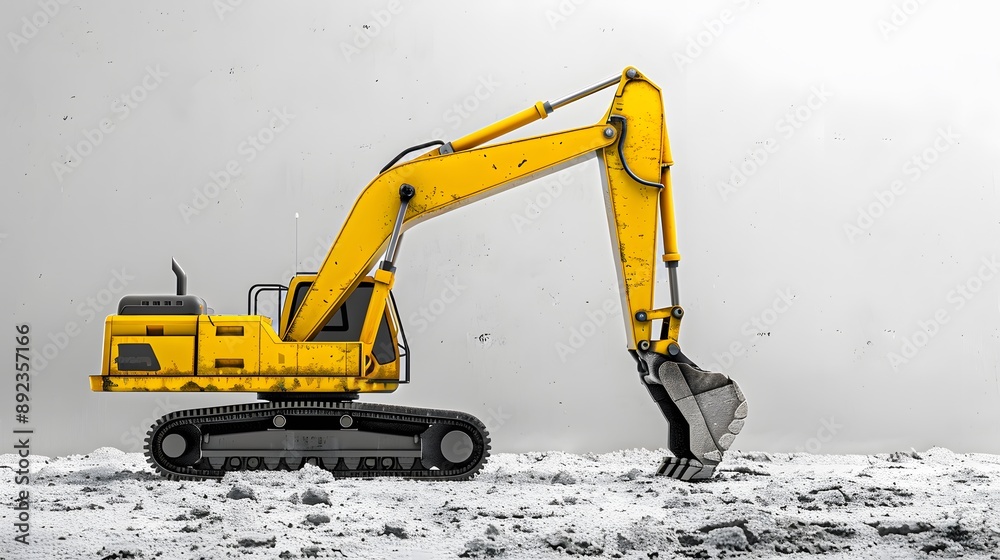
(835,185)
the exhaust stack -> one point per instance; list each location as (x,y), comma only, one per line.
(182,279)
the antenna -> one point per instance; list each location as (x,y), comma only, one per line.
(296,267)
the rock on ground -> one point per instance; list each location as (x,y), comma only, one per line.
(935,504)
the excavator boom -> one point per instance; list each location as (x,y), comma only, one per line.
(464,171)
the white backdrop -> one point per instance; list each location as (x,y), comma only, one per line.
(835,184)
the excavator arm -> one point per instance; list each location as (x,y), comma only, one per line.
(705,410)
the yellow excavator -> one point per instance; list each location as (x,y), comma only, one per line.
(339,334)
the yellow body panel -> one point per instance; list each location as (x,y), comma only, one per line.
(238,384)
(329,358)
(276,356)
(239,353)
(229,345)
(142,325)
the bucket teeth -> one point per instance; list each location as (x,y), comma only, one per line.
(685,469)
(741,411)
(710,404)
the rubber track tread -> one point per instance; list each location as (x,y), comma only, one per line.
(372,411)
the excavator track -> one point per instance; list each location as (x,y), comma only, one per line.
(348,439)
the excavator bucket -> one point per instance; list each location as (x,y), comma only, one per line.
(705,410)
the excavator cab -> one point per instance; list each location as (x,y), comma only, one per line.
(345,323)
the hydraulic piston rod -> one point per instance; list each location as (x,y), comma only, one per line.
(538,111)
